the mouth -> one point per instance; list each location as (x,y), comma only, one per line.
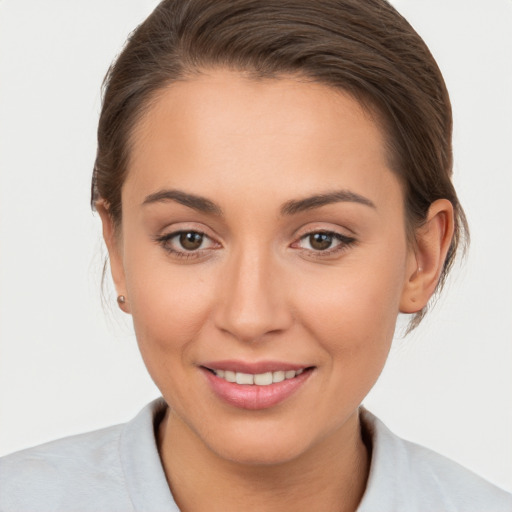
(257,379)
(255,386)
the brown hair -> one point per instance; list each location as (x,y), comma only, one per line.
(365,48)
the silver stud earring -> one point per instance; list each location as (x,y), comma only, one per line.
(121,299)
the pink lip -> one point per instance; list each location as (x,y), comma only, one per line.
(254,397)
(258,367)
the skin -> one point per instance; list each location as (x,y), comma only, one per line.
(257,289)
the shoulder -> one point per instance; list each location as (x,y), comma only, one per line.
(406,476)
(115,469)
(63,473)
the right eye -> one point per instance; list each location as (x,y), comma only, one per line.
(186,243)
(190,240)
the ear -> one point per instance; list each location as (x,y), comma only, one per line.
(426,260)
(113,243)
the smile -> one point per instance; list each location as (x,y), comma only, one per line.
(258,379)
(255,386)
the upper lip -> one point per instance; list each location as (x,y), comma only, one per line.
(253,367)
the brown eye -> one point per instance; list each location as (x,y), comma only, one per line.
(320,241)
(187,244)
(324,243)
(191,240)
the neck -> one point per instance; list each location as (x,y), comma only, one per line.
(330,476)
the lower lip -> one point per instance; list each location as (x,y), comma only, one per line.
(255,397)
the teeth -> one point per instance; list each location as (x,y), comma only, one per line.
(244,378)
(229,376)
(259,379)
(278,376)
(263,379)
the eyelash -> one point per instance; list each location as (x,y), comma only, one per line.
(165,239)
(344,243)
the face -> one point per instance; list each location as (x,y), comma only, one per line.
(263,240)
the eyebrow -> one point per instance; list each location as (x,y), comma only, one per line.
(316,201)
(204,205)
(193,201)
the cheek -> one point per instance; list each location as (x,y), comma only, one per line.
(169,304)
(352,309)
(353,321)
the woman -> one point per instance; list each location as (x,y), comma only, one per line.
(273,180)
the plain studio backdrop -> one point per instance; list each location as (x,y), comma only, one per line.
(69,365)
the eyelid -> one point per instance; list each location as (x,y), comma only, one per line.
(338,236)
(344,242)
(184,226)
(175,234)
(310,228)
(165,239)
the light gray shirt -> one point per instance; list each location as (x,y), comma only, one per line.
(118,469)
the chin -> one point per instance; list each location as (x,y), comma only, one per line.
(259,442)
(269,452)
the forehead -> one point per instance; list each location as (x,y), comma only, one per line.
(225,130)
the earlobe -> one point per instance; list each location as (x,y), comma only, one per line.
(115,254)
(426,262)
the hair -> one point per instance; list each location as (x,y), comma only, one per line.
(363,48)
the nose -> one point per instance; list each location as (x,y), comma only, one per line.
(252,304)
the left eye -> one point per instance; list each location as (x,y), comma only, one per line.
(323,241)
